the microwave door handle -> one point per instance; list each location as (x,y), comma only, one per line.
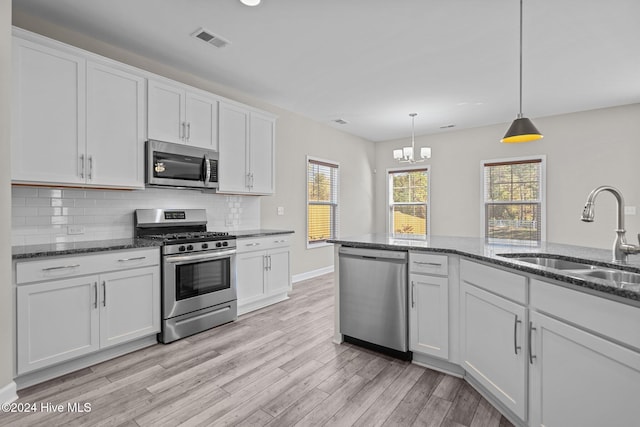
(207,169)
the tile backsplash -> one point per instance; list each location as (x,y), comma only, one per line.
(52,215)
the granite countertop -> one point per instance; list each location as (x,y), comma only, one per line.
(74,248)
(478,248)
(243,234)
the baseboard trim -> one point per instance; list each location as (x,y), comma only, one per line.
(311,274)
(9,393)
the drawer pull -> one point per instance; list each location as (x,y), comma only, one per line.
(280,241)
(252,244)
(138,258)
(434,264)
(62,267)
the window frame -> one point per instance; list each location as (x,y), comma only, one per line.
(336,214)
(543,198)
(390,195)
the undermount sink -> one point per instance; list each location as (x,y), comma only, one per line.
(558,264)
(623,279)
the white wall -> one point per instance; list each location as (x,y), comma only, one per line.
(296,137)
(584,150)
(7,388)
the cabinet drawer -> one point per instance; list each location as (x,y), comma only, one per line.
(263,243)
(505,283)
(78,265)
(428,263)
(609,318)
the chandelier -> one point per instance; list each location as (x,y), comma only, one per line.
(406,154)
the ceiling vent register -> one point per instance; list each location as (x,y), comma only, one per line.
(209,37)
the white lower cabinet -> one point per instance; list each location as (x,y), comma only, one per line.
(263,271)
(63,319)
(579,379)
(428,305)
(492,335)
(57,321)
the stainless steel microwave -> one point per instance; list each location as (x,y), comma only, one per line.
(179,165)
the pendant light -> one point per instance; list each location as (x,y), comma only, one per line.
(522,129)
(406,154)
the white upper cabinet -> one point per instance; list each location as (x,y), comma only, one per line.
(48,134)
(75,121)
(247,150)
(115,127)
(183,115)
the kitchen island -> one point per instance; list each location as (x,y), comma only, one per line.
(546,346)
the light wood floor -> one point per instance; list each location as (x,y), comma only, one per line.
(276,366)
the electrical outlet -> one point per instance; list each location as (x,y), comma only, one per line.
(75,229)
(629,210)
(280,210)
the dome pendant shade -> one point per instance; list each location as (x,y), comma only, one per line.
(521,130)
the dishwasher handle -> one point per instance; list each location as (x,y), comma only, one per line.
(374,254)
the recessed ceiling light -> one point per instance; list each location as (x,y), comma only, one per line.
(250,2)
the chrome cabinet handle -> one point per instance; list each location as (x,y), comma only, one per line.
(132,259)
(62,267)
(104,294)
(188,131)
(182,131)
(90,176)
(279,241)
(413,302)
(252,180)
(516,347)
(247,180)
(252,244)
(82,166)
(265,262)
(531,355)
(269,262)
(95,294)
(435,264)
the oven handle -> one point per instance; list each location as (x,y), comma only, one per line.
(200,257)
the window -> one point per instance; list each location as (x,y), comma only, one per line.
(408,202)
(513,208)
(322,201)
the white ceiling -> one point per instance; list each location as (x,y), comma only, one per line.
(372,62)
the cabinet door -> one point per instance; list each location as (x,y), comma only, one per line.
(429,315)
(492,342)
(251,269)
(579,379)
(129,305)
(279,271)
(261,153)
(115,127)
(202,121)
(48,127)
(165,112)
(232,169)
(57,321)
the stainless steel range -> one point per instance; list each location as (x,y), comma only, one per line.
(198,270)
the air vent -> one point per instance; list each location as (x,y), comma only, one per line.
(209,37)
(449,126)
(341,121)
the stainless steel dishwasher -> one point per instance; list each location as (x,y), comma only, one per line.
(373,299)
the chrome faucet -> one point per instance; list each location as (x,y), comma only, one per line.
(620,246)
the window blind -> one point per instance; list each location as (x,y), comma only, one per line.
(322,200)
(513,200)
(408,202)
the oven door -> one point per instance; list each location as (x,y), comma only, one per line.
(196,281)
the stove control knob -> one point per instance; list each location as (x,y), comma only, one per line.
(205,246)
(189,247)
(218,245)
(181,248)
(225,243)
